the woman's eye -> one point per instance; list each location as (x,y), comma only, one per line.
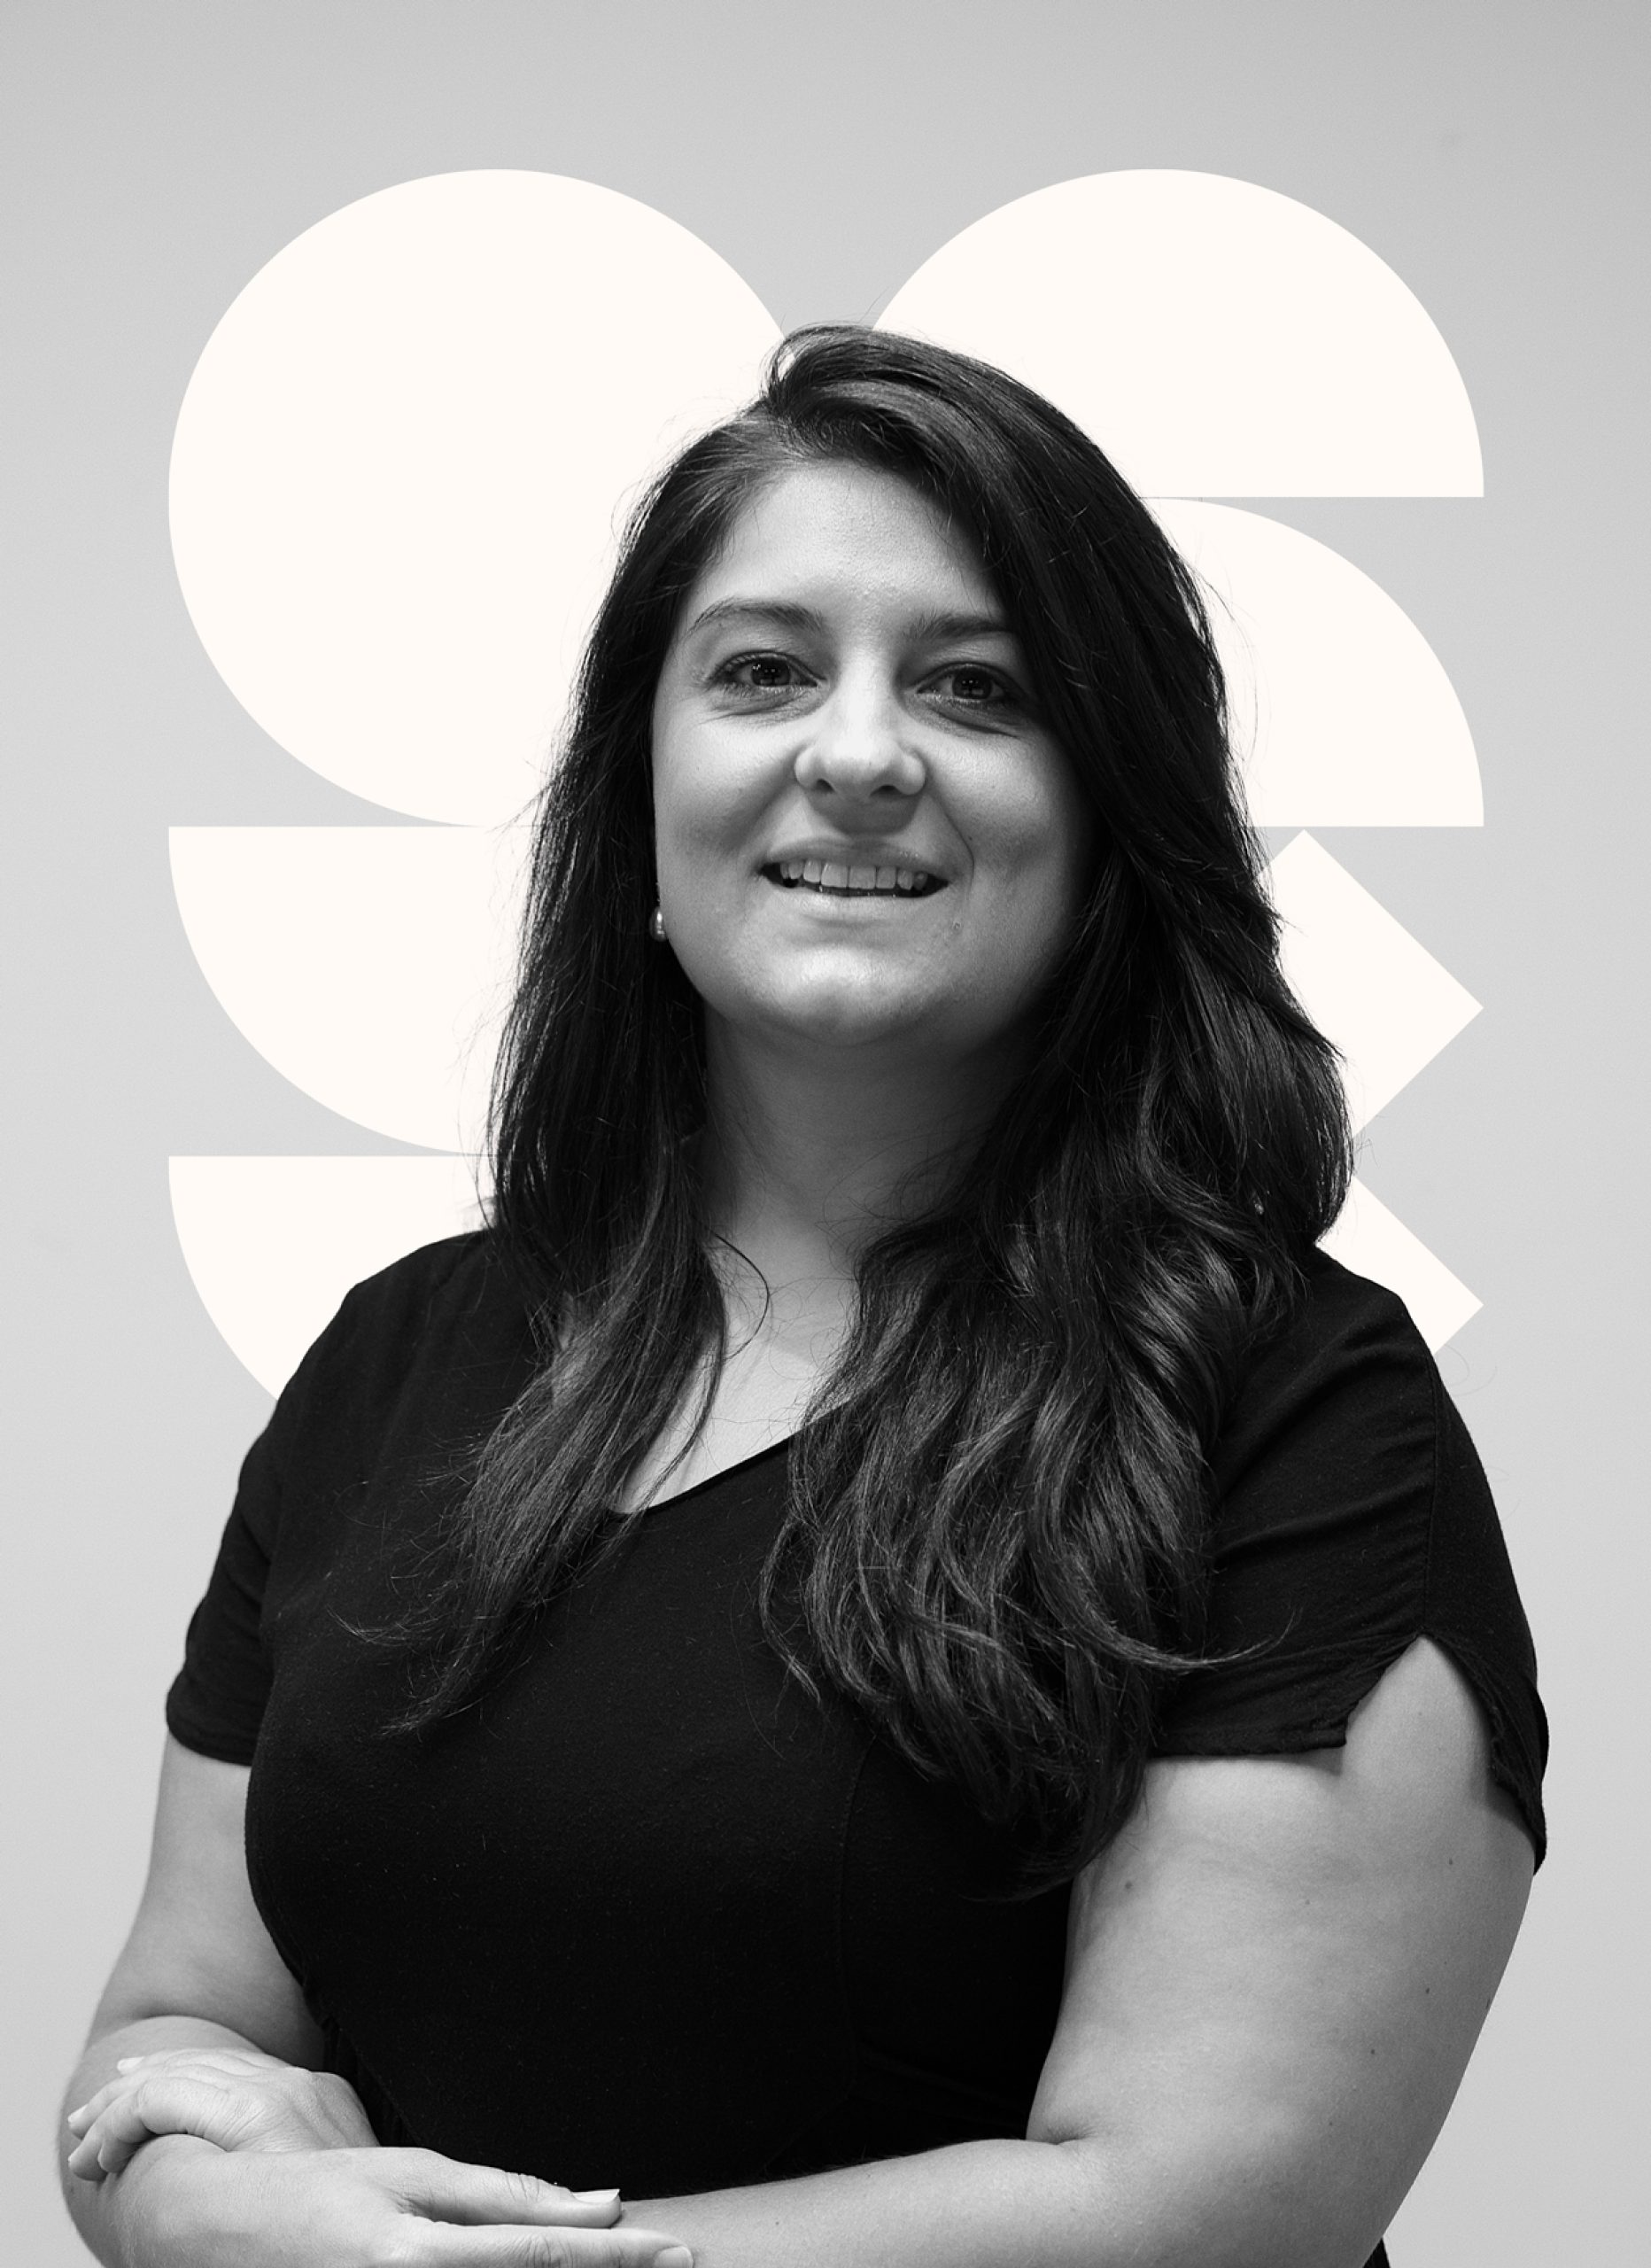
(970,686)
(759,673)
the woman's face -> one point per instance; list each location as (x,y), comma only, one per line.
(866,838)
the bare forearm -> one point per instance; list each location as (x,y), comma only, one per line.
(1171,2200)
(99,2208)
(1000,2204)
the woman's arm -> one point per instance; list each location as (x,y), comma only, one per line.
(1276,1976)
(198,1968)
(199,1972)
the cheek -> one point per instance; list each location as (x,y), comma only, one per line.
(1071,831)
(1042,853)
(1042,840)
(704,806)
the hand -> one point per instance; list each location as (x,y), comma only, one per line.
(237,2099)
(193,2206)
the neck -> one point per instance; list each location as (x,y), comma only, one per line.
(810,1153)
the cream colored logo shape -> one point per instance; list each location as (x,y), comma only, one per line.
(397,474)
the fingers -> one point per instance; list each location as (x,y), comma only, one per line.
(444,2189)
(263,2104)
(413,2206)
(501,2247)
(232,2062)
(78,2121)
(131,2071)
(214,2058)
(476,2215)
(165,2104)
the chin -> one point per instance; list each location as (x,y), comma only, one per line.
(836,1024)
(835,1016)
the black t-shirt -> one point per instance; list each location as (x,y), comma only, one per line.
(649,1916)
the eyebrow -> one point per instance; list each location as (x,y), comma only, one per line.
(926,627)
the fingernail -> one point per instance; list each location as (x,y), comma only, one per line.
(676,2256)
(127,2061)
(72,2115)
(596,2196)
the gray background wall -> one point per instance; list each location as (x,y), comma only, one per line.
(156,156)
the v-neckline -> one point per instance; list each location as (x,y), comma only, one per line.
(724,1473)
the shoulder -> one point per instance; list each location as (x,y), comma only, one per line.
(1342,1321)
(447,1277)
(420,1360)
(449,1285)
(448,1307)
(1349,1370)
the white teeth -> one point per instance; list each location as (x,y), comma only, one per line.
(825,874)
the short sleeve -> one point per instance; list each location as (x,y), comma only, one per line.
(216,1703)
(321,1437)
(1352,1517)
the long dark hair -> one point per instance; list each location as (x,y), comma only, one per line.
(995,1537)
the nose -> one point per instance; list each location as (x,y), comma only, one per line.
(857,748)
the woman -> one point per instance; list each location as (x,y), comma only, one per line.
(891,1660)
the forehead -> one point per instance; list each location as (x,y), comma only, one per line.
(848,535)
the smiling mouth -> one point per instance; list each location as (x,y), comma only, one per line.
(825,878)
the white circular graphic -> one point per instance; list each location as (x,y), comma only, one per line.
(400,459)
(273,1244)
(1216,338)
(1341,713)
(372,966)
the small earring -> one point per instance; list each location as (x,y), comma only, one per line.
(656,925)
